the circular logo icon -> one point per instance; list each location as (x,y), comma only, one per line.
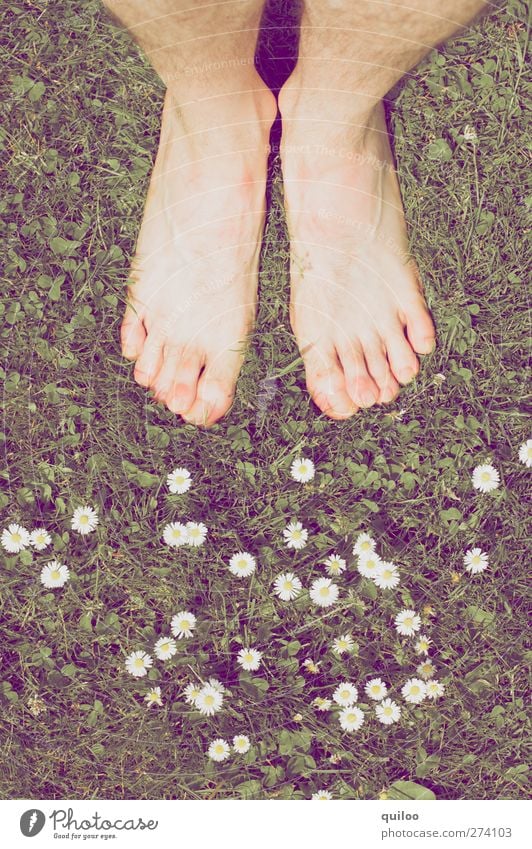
(32,822)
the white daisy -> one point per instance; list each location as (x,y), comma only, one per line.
(386,576)
(249,659)
(485,478)
(138,663)
(84,520)
(302,470)
(342,645)
(323,592)
(242,564)
(175,534)
(241,744)
(335,565)
(311,666)
(368,564)
(388,712)
(295,535)
(425,669)
(15,538)
(470,134)
(179,481)
(525,453)
(376,689)
(364,544)
(219,750)
(213,682)
(475,560)
(423,644)
(345,694)
(40,539)
(322,704)
(414,690)
(182,624)
(196,533)
(209,700)
(191,693)
(287,586)
(407,622)
(351,718)
(153,697)
(165,648)
(435,689)
(54,575)
(321,796)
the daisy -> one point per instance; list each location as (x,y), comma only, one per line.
(323,592)
(376,689)
(321,795)
(388,712)
(422,645)
(343,644)
(179,481)
(368,564)
(302,470)
(485,478)
(54,575)
(407,622)
(153,697)
(241,744)
(426,669)
(345,694)
(434,689)
(475,561)
(335,565)
(364,544)
(40,539)
(295,535)
(138,663)
(287,586)
(175,534)
(182,624)
(217,685)
(15,538)
(525,453)
(322,704)
(196,533)
(310,666)
(242,564)
(470,134)
(351,718)
(249,659)
(386,576)
(219,750)
(84,520)
(165,648)
(209,700)
(414,690)
(191,693)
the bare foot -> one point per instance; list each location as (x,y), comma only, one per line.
(192,301)
(357,308)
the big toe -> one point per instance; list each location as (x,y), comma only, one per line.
(214,397)
(326,384)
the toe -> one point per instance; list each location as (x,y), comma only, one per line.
(150,361)
(379,368)
(420,329)
(213,399)
(360,385)
(132,335)
(326,383)
(403,362)
(184,387)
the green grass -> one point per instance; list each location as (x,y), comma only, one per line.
(80,127)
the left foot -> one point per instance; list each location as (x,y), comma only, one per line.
(357,308)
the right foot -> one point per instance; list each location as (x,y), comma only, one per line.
(192,301)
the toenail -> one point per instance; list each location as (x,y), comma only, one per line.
(430,344)
(367,398)
(406,375)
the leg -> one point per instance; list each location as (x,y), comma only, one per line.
(192,301)
(357,308)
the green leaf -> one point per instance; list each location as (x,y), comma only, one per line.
(440,151)
(36,91)
(409,790)
(63,247)
(251,789)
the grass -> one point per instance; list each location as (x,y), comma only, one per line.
(80,127)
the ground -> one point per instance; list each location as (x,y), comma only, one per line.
(80,127)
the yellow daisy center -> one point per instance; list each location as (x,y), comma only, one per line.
(248,658)
(324,591)
(486,476)
(83,519)
(209,700)
(179,480)
(176,533)
(366,545)
(219,749)
(288,585)
(139,662)
(476,560)
(351,717)
(387,711)
(345,694)
(16,537)
(184,625)
(55,574)
(242,564)
(414,690)
(408,621)
(296,534)
(387,574)
(376,688)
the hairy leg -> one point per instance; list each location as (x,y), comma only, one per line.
(357,306)
(192,301)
